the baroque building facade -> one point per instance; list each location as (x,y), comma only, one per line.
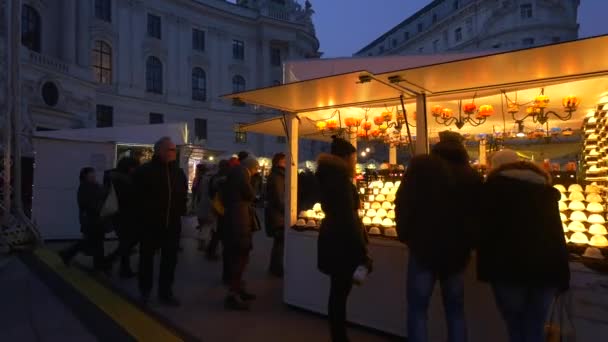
(473,25)
(101,63)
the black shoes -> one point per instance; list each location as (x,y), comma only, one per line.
(170,301)
(236,303)
(127,274)
(64,258)
(246,296)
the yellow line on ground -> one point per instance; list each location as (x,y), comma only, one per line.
(136,322)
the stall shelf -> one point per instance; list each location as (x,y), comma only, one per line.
(380,303)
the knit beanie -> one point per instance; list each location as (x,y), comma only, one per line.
(341,147)
(503,157)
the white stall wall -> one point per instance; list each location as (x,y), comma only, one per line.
(56,178)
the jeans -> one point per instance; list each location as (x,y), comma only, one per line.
(524,310)
(420,284)
(341,285)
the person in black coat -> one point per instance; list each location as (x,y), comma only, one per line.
(90,198)
(275,212)
(522,250)
(125,221)
(238,197)
(342,244)
(440,236)
(161,193)
(216,183)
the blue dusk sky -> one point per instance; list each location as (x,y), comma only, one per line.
(345,26)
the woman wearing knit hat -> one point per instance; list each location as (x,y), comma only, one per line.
(342,245)
(522,251)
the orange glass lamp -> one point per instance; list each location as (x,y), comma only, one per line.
(332,125)
(437,111)
(472,115)
(571,102)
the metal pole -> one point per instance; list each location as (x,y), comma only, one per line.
(16,38)
(8,125)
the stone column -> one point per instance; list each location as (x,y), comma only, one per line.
(83,39)
(69,31)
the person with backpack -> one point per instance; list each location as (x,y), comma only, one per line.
(125,221)
(440,237)
(91,197)
(275,213)
(216,182)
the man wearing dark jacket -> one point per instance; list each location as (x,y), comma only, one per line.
(275,212)
(161,192)
(238,197)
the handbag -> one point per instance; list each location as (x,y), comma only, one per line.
(217,204)
(110,205)
(559,326)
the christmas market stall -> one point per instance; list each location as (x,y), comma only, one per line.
(548,103)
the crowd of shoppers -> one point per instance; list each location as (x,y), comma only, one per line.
(519,201)
(516,200)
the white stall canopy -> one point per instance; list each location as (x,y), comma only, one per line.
(571,68)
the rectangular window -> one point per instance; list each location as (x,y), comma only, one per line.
(469,25)
(200,129)
(406,36)
(238,50)
(240,137)
(156,118)
(434,18)
(420,27)
(381,50)
(446,38)
(436,45)
(527,41)
(526,11)
(105,116)
(458,34)
(154,26)
(556,39)
(394,43)
(103,10)
(455,5)
(281,140)
(275,57)
(421,49)
(198,40)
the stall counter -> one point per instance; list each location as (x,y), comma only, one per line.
(380,303)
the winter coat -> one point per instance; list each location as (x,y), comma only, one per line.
(238,197)
(90,200)
(275,196)
(431,213)
(203,205)
(162,196)
(342,244)
(522,241)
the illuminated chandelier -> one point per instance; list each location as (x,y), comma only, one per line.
(472,115)
(538,110)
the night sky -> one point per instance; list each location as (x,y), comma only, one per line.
(345,26)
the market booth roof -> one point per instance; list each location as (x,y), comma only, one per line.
(483,76)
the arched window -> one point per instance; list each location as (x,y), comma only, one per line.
(102,62)
(30,28)
(154,75)
(199,84)
(238,84)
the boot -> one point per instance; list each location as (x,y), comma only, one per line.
(234,302)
